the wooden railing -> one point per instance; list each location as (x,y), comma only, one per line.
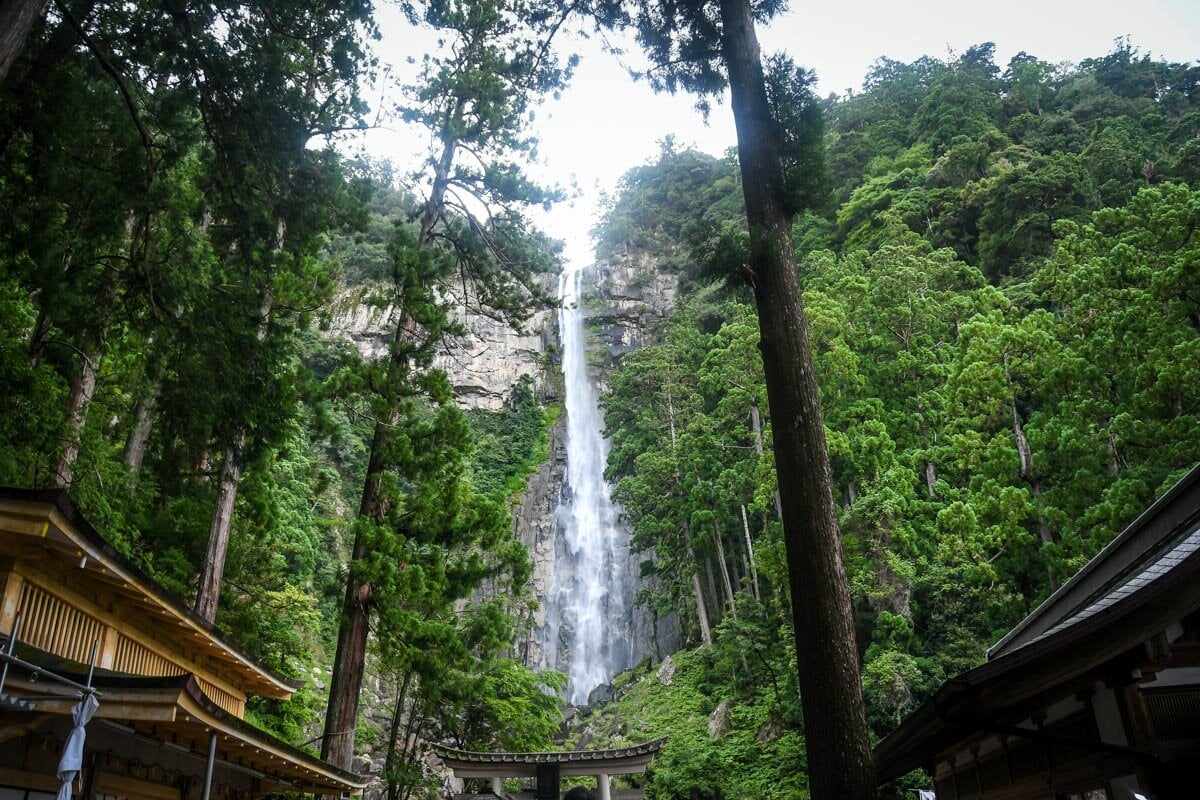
(223,699)
(52,625)
(137,659)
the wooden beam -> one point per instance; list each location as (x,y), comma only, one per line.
(19,726)
(24,518)
(39,781)
(57,586)
(10,599)
(123,786)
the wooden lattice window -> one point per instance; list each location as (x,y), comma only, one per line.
(50,624)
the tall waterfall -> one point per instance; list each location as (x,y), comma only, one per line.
(588,612)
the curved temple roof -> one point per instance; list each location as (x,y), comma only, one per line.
(175,710)
(49,520)
(615,761)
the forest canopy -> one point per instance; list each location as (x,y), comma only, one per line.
(1002,280)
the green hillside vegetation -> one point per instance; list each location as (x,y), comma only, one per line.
(755,755)
(1003,298)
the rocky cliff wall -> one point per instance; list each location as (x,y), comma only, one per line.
(483,365)
(626,302)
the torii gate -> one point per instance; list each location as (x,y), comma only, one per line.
(549,767)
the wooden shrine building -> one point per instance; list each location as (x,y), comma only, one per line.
(1094,696)
(545,769)
(172,690)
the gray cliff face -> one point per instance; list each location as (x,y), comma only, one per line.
(482,366)
(625,302)
(534,523)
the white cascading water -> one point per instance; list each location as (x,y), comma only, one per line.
(588,609)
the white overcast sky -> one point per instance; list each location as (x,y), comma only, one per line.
(604,123)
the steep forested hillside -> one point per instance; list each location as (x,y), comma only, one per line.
(1004,298)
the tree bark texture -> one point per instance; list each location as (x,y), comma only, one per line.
(84,386)
(714,597)
(78,402)
(350,661)
(750,553)
(724,565)
(838,742)
(16,21)
(143,421)
(208,593)
(701,613)
(389,768)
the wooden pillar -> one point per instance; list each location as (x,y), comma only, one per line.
(206,792)
(108,647)
(602,787)
(10,599)
(497,786)
(88,789)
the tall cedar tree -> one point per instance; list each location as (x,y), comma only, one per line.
(261,111)
(474,100)
(704,46)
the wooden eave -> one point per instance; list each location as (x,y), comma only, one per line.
(989,693)
(45,529)
(617,761)
(175,712)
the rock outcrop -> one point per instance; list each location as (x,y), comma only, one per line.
(625,303)
(483,365)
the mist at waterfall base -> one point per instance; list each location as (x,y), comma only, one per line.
(589,629)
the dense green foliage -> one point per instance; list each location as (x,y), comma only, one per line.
(1003,302)
(176,228)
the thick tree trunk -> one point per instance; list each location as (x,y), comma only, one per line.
(84,386)
(16,21)
(389,764)
(726,582)
(1024,452)
(1025,455)
(349,663)
(208,593)
(39,338)
(143,421)
(756,426)
(78,402)
(698,590)
(411,752)
(839,749)
(714,597)
(701,613)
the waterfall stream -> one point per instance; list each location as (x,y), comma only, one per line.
(588,613)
